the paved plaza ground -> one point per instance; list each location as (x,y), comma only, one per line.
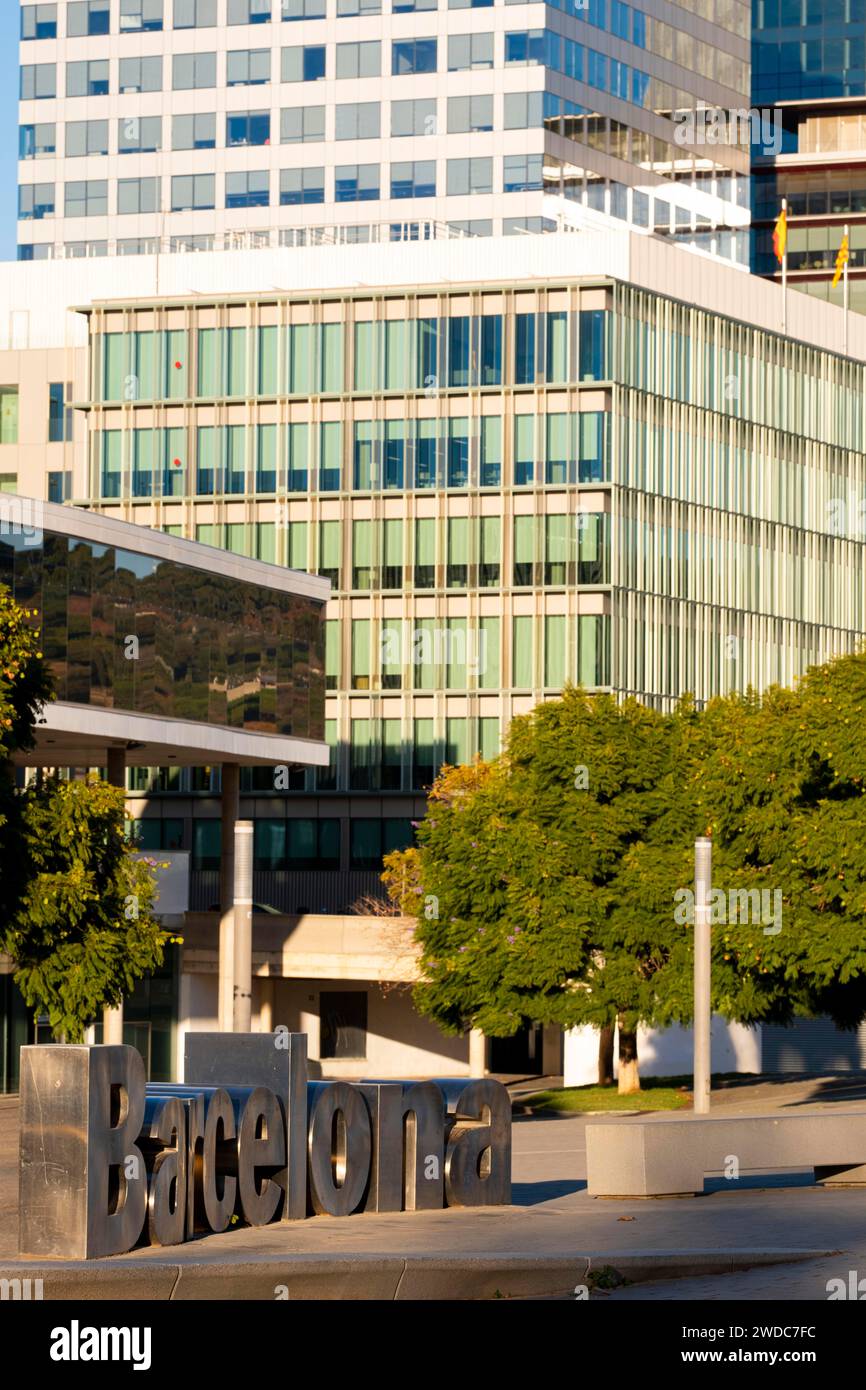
(769,1218)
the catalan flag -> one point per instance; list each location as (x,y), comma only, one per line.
(780,236)
(842,258)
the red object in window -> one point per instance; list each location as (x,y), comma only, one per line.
(177,463)
(178,365)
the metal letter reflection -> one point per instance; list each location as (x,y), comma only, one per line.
(108,1161)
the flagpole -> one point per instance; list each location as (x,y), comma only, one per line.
(845,292)
(785,269)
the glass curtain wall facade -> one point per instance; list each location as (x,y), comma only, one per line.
(809,62)
(121,630)
(510,488)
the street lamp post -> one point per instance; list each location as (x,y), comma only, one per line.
(703,881)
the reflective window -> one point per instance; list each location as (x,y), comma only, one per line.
(38,140)
(35,201)
(248,67)
(248,128)
(88,78)
(194,132)
(248,11)
(359,59)
(356,183)
(86,137)
(86,198)
(304,63)
(414,179)
(300,124)
(39,22)
(193,70)
(413,56)
(139,134)
(38,81)
(86,18)
(210,647)
(303,9)
(302,186)
(195,14)
(470,51)
(141,74)
(414,117)
(248,189)
(137,16)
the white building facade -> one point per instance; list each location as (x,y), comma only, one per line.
(198,124)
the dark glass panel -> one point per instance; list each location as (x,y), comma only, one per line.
(102,630)
(79,622)
(55,607)
(127,631)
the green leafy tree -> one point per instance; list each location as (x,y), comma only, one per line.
(75,905)
(84,932)
(782,790)
(545,885)
(517,876)
(25,686)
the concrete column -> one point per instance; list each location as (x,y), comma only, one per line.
(551,1050)
(243,927)
(117,767)
(230,811)
(112,1019)
(266,1012)
(477,1053)
(703,1018)
(310,1023)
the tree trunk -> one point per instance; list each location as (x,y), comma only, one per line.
(605,1054)
(629,1078)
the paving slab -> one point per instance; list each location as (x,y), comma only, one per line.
(541,1246)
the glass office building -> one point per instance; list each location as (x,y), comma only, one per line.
(809,63)
(510,487)
(807,49)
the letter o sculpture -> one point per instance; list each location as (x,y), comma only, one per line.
(339,1149)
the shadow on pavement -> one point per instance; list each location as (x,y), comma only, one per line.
(756,1181)
(532,1194)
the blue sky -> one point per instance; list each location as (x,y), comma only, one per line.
(9,14)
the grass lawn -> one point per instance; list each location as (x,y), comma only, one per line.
(657,1094)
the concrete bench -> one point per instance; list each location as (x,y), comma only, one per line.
(665,1157)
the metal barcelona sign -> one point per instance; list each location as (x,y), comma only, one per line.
(109,1161)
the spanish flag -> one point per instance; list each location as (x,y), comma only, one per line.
(842,259)
(780,235)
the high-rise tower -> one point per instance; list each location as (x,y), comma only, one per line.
(194,124)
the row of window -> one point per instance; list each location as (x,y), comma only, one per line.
(434,654)
(564,551)
(557,450)
(93,17)
(352,121)
(456,552)
(90,18)
(409,57)
(251,188)
(424,354)
(459,553)
(345,234)
(282,845)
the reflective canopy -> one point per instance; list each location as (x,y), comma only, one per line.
(134,632)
